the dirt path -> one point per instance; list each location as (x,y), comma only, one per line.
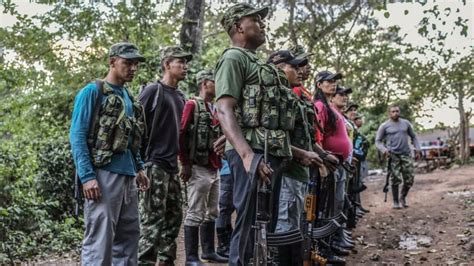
(438,225)
(437,228)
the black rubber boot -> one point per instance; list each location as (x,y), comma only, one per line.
(363,209)
(396,203)
(223,241)
(403,199)
(207,243)
(331,257)
(191,245)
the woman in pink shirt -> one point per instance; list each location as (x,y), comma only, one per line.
(334,138)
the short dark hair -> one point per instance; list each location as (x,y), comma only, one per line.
(394,105)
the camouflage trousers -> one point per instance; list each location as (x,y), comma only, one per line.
(161,216)
(402,169)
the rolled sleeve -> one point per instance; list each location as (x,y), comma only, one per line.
(229,78)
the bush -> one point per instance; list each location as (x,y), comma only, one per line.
(37,200)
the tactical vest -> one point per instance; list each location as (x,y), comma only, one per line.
(201,134)
(112,131)
(267,106)
(303,135)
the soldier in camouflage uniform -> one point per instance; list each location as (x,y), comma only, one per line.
(395,133)
(161,207)
(106,131)
(199,165)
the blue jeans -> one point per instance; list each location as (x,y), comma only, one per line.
(226,206)
(291,204)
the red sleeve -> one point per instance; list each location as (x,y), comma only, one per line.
(186,119)
(297,91)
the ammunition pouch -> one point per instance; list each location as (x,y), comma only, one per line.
(275,138)
(201,134)
(303,133)
(268,104)
(112,128)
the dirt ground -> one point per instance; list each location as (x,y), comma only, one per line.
(437,228)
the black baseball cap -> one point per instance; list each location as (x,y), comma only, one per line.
(352,104)
(327,75)
(341,90)
(285,56)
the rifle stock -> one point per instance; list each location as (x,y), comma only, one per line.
(387,179)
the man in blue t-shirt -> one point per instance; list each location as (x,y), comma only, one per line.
(105,139)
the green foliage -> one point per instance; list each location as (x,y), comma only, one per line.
(56,53)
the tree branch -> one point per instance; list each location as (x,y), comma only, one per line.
(337,22)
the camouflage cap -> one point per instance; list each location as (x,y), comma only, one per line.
(175,52)
(299,51)
(204,75)
(125,50)
(234,13)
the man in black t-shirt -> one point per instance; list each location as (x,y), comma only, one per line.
(161,206)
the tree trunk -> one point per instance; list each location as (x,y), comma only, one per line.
(291,25)
(463,128)
(193,23)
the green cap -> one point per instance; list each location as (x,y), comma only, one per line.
(175,52)
(204,75)
(125,50)
(238,11)
(299,51)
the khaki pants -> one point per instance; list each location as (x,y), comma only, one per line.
(203,196)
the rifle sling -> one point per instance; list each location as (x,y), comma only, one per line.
(251,197)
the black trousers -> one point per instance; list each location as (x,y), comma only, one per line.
(241,191)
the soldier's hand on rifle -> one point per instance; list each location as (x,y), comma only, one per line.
(143,181)
(265,172)
(91,190)
(219,145)
(186,172)
(311,158)
(331,162)
(386,153)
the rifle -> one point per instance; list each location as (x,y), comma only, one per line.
(387,180)
(315,229)
(260,254)
(310,214)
